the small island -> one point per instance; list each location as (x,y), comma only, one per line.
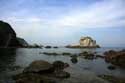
(85,42)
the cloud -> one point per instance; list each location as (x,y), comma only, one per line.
(100,14)
(50,21)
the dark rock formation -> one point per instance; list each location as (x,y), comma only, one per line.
(8,36)
(39,66)
(22,42)
(115,57)
(41,71)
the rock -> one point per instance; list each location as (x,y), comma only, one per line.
(46,53)
(32,78)
(48,47)
(85,42)
(66,53)
(39,66)
(61,74)
(111,67)
(43,72)
(8,36)
(55,47)
(59,65)
(74,60)
(22,42)
(115,57)
(100,56)
(87,55)
(112,79)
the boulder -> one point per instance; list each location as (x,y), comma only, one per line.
(39,66)
(42,72)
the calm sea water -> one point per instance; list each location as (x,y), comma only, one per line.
(22,57)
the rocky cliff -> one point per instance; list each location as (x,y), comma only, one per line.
(8,36)
(85,42)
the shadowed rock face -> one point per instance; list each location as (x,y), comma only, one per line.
(8,36)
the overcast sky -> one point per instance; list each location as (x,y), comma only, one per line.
(62,22)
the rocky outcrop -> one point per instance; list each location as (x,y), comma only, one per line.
(41,71)
(115,57)
(22,42)
(85,42)
(8,36)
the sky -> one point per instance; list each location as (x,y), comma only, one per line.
(63,22)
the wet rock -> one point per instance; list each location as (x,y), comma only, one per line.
(39,66)
(66,53)
(32,78)
(61,74)
(48,47)
(55,47)
(100,56)
(83,53)
(111,67)
(46,53)
(59,65)
(112,79)
(87,55)
(43,72)
(74,60)
(115,57)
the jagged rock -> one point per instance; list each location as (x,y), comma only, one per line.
(85,42)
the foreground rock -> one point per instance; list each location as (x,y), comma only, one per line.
(115,57)
(39,66)
(112,79)
(8,36)
(43,72)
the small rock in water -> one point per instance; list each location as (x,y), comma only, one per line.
(74,60)
(111,67)
(48,47)
(59,65)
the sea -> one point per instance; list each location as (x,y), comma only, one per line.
(14,60)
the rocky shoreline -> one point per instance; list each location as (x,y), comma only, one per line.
(43,72)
